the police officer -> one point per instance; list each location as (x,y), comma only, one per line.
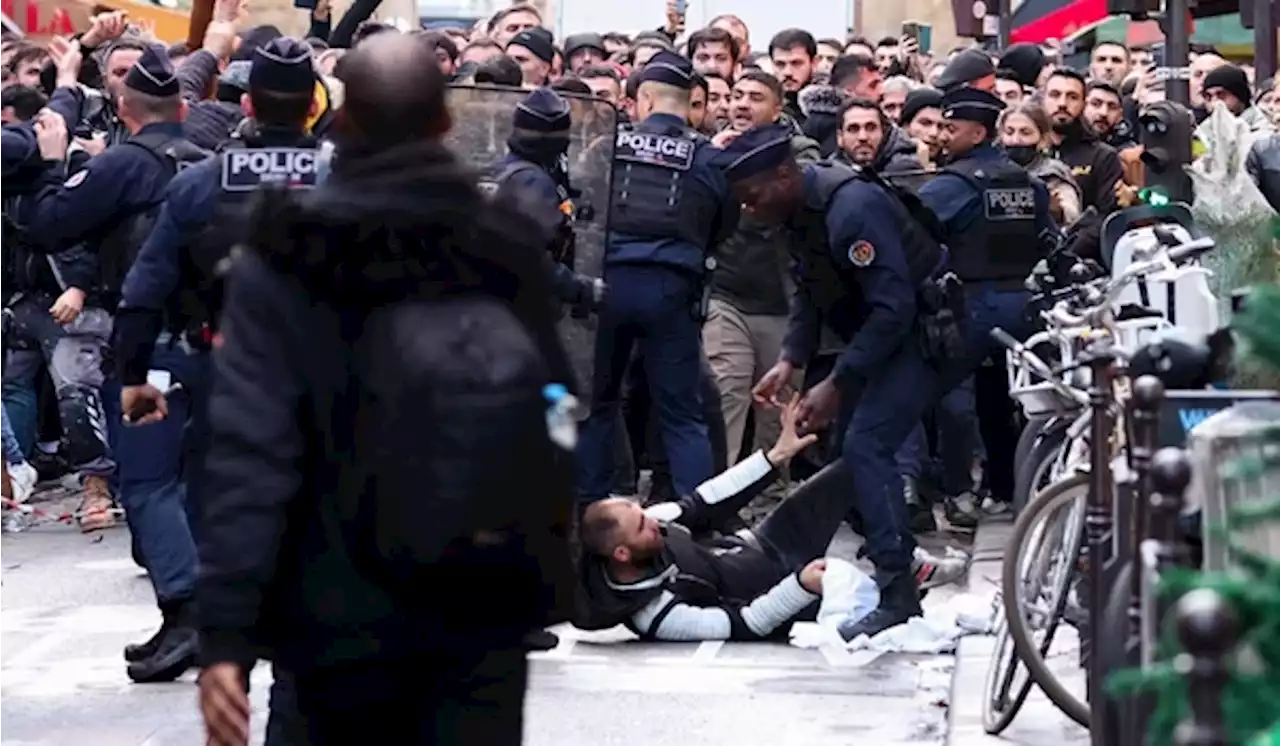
(108,206)
(670,205)
(169,310)
(860,264)
(996,219)
(535,174)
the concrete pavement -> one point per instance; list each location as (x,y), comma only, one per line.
(1039,722)
(69,604)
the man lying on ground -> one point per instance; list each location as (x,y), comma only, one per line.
(665,574)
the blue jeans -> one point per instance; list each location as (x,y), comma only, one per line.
(153,467)
(21,411)
(12,450)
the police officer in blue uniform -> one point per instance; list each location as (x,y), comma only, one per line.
(860,263)
(535,174)
(670,205)
(171,301)
(997,224)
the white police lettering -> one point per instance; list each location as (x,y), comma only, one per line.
(656,150)
(246,170)
(1011,204)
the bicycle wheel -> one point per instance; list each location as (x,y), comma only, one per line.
(1035,468)
(1003,693)
(1047,536)
(1030,434)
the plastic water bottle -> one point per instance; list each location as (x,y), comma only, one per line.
(562,427)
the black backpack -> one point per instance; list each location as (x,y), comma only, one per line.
(454,477)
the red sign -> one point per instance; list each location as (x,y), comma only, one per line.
(40,19)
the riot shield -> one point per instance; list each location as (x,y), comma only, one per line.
(482,118)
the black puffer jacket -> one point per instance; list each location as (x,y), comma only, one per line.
(278,578)
(1263,164)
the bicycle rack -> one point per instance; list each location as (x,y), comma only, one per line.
(1101,359)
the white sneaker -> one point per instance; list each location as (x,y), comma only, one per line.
(23,478)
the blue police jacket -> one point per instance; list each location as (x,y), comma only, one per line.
(958,205)
(121,180)
(706,183)
(541,198)
(191,202)
(867,253)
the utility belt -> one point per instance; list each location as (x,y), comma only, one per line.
(943,317)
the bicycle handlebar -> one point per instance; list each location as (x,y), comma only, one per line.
(1028,358)
(1110,288)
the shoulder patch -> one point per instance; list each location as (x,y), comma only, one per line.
(76,179)
(862,254)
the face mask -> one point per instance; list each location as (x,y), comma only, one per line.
(1021,154)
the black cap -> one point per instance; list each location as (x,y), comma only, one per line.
(1231,79)
(972,105)
(283,65)
(968,66)
(153,74)
(252,39)
(917,100)
(575,42)
(538,41)
(543,110)
(755,151)
(669,68)
(1025,61)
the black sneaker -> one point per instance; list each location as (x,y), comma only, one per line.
(176,650)
(135,652)
(899,601)
(963,511)
(540,640)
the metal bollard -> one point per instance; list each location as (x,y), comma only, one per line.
(1209,630)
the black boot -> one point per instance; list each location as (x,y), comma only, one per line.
(899,601)
(920,518)
(540,640)
(137,651)
(176,649)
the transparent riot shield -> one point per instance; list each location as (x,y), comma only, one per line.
(482,117)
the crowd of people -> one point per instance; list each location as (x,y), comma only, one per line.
(336,445)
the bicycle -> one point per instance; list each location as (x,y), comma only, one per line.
(1041,573)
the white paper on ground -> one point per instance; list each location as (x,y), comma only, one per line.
(938,631)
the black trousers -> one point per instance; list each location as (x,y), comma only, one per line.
(465,698)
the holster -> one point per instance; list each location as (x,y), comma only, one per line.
(943,317)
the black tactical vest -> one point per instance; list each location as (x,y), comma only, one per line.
(827,282)
(120,248)
(1002,245)
(654,195)
(242,171)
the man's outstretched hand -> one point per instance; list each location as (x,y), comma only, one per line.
(790,442)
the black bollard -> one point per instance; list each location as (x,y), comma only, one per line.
(1209,630)
(1170,477)
(1144,420)
(1098,527)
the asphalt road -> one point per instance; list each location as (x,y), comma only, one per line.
(69,603)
